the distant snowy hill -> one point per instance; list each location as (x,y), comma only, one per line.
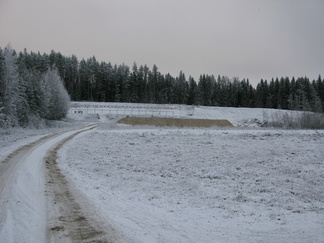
(237,116)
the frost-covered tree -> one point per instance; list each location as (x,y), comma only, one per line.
(56,98)
(34,94)
(9,83)
(1,78)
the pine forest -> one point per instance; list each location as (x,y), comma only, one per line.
(40,86)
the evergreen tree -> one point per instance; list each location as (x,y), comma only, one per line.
(144,74)
(180,89)
(284,92)
(263,97)
(56,98)
(123,83)
(161,95)
(1,82)
(141,84)
(319,87)
(93,67)
(133,85)
(23,109)
(204,90)
(9,88)
(246,94)
(71,77)
(169,92)
(236,92)
(152,84)
(35,96)
(224,92)
(192,92)
(84,81)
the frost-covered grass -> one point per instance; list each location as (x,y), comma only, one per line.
(244,184)
(203,185)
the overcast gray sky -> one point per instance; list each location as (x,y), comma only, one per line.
(237,38)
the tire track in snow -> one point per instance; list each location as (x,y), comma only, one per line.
(21,194)
(69,222)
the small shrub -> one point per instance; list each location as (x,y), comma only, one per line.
(294,120)
(310,120)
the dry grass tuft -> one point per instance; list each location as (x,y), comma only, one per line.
(174,122)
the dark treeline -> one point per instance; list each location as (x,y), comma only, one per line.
(90,80)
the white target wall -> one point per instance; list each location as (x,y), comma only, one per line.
(128,109)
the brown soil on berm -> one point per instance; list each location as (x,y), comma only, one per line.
(174,122)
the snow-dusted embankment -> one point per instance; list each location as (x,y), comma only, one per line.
(203,185)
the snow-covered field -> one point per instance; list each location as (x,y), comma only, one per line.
(242,184)
(203,185)
(196,185)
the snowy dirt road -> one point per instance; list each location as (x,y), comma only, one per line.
(33,202)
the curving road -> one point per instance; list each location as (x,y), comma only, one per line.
(37,204)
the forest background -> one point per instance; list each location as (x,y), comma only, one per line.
(36,86)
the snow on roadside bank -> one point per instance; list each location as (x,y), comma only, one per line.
(202,185)
(13,138)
